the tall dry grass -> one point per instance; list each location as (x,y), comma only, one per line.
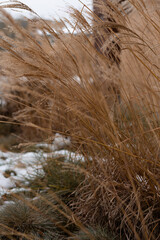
(119,141)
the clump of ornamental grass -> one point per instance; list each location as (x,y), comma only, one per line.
(98,232)
(68,86)
(43,217)
(29,220)
(58,176)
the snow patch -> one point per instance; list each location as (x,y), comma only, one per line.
(58,143)
(15,168)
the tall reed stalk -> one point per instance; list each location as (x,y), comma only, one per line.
(63,84)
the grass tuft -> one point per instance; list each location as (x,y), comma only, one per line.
(62,83)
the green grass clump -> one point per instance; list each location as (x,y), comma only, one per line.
(59,178)
(59,175)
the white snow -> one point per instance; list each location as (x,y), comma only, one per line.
(16,167)
(70,155)
(58,143)
(6,183)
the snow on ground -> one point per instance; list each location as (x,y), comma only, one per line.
(16,167)
(58,142)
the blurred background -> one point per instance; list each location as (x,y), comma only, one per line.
(50,9)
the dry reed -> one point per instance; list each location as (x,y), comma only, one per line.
(68,87)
